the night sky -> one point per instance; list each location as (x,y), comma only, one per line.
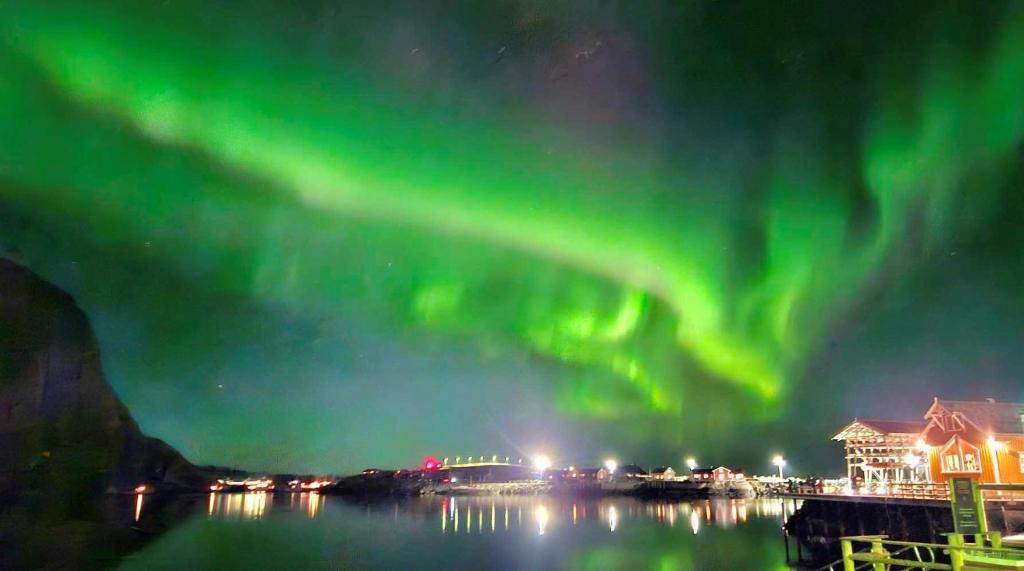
(314,236)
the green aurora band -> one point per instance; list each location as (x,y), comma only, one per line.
(692,240)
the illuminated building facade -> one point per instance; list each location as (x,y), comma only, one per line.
(978,439)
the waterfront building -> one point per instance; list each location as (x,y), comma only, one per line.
(877,451)
(979,439)
(726,474)
(631,471)
(663,473)
(702,474)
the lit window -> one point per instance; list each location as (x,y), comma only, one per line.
(952,463)
(971,463)
(1021,457)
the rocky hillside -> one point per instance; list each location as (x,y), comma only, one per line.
(63,430)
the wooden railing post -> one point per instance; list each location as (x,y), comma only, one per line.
(846,546)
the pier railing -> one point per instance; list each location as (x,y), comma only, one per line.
(921,491)
(879,553)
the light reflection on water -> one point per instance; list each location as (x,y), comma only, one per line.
(547,511)
(309,530)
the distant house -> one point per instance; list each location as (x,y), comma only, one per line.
(663,473)
(590,474)
(726,474)
(702,474)
(632,471)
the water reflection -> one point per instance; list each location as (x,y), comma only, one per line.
(548,512)
(501,532)
(251,506)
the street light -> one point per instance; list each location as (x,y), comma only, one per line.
(691,463)
(541,462)
(611,466)
(779,461)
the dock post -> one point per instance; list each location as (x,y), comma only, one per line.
(996,538)
(846,546)
(785,540)
(877,549)
(956,556)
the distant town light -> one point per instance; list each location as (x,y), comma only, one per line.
(691,463)
(541,462)
(611,465)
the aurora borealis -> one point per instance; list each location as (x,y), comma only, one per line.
(318,236)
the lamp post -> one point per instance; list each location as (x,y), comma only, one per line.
(691,463)
(779,461)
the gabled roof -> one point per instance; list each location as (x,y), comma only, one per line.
(990,416)
(632,469)
(895,426)
(881,427)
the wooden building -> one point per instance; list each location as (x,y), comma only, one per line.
(663,473)
(726,474)
(978,439)
(881,451)
(981,439)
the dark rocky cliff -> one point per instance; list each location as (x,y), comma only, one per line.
(63,430)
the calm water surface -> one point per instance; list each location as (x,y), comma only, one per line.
(308,531)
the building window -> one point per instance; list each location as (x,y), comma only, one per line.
(1021,458)
(971,463)
(951,463)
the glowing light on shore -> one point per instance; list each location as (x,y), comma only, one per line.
(611,465)
(541,462)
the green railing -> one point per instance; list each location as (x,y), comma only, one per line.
(879,553)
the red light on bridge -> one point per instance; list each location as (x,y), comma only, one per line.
(431,464)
